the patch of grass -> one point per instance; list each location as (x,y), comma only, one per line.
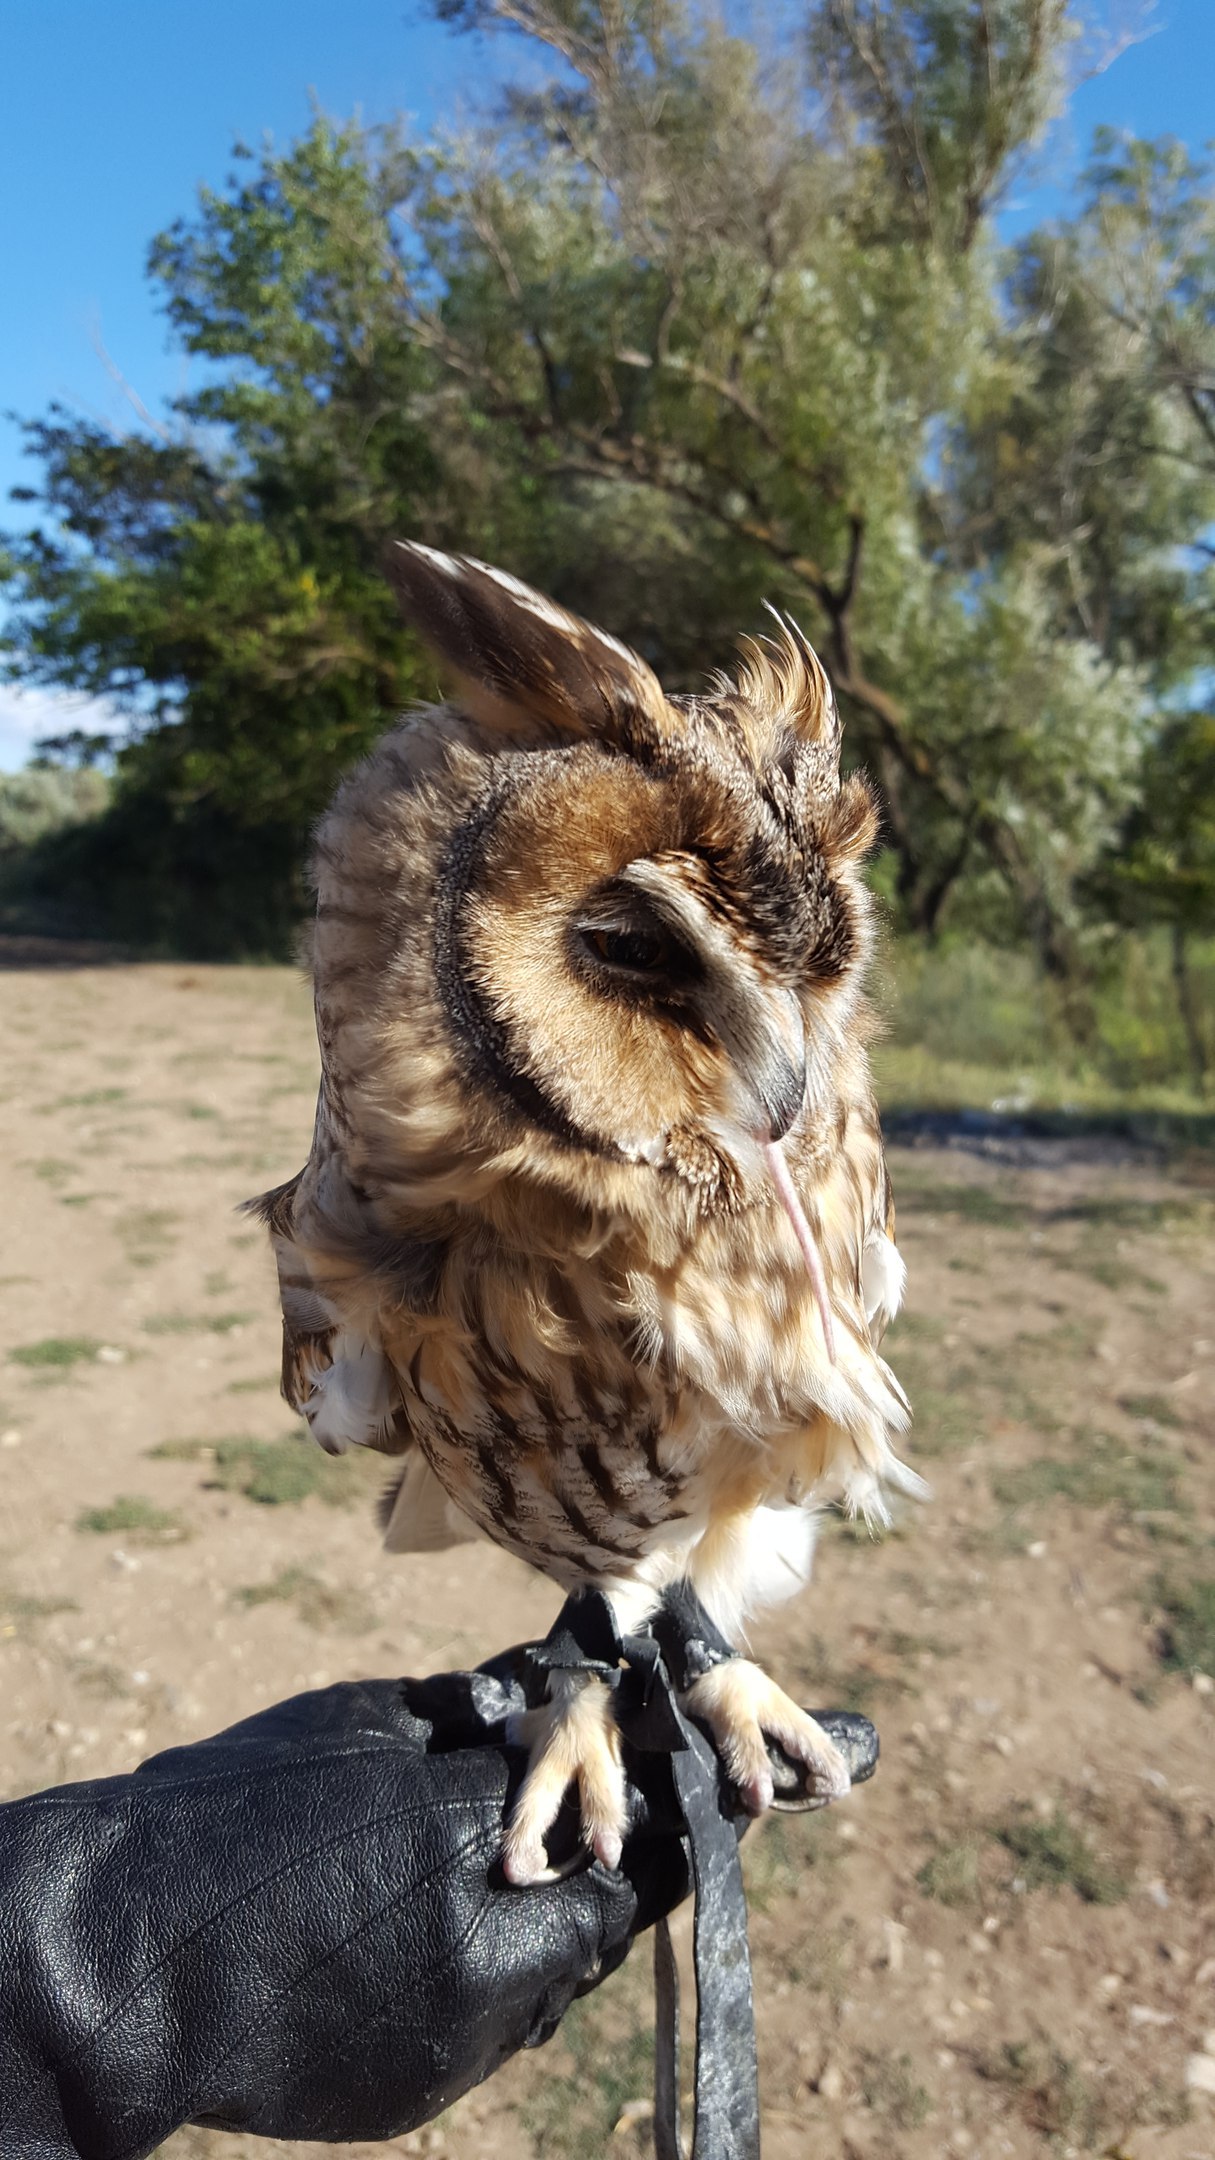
(917,1327)
(776,1855)
(92,1099)
(982,1204)
(1157,1409)
(951,1874)
(51,1171)
(1104,1472)
(147,1233)
(273,1473)
(943,1421)
(1058,2102)
(1067,1339)
(1106,1268)
(131,1516)
(249,1387)
(107,1682)
(1186,1640)
(1055,1854)
(889,2086)
(20,1612)
(217,1282)
(318,1603)
(1147,1216)
(611,2041)
(195,1323)
(56,1353)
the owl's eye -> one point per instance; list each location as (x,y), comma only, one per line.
(641,951)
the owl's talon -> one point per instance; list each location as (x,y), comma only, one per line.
(572,1740)
(743,1708)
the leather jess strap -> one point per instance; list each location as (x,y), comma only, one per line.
(648,1674)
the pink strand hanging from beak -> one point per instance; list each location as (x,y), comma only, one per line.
(786,1193)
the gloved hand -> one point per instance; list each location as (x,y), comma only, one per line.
(297,1928)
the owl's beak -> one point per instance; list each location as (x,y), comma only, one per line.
(766,1037)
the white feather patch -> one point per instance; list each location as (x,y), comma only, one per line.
(769,1559)
(883,1280)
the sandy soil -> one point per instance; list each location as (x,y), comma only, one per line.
(1004,1944)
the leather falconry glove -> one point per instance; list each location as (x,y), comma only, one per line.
(299,1928)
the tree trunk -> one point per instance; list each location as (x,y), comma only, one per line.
(1187,1006)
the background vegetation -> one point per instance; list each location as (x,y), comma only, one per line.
(689,324)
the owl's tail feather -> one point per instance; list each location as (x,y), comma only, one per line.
(786,1193)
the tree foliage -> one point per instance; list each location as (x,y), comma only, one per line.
(690,324)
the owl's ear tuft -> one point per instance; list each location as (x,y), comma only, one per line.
(518,660)
(784,679)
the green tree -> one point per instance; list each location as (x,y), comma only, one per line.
(672,335)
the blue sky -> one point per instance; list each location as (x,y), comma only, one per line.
(114,112)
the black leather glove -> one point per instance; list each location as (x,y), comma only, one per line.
(297,1928)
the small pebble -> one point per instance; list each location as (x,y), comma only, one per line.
(1037,1551)
(831,2082)
(109,1354)
(11,1438)
(1202,1683)
(1200,2074)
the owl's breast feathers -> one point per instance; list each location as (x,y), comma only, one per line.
(589,1405)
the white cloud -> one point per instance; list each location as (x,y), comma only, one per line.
(27,714)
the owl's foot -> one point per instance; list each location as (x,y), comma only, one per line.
(573,1739)
(743,1708)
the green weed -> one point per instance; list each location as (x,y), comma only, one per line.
(1156,1409)
(56,1353)
(195,1323)
(131,1516)
(273,1473)
(92,1099)
(1058,2102)
(19,1612)
(980,1204)
(318,1603)
(1105,1472)
(951,1874)
(611,2041)
(889,2086)
(1054,1854)
(147,1233)
(1187,1636)
(51,1171)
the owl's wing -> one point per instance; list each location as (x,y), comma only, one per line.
(883,1271)
(336,1373)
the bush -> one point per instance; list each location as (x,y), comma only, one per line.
(46,800)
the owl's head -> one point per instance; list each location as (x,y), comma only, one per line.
(618,936)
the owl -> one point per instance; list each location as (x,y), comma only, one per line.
(596,1233)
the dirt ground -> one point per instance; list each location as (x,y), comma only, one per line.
(1005,1943)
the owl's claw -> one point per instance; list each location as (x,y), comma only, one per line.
(572,1739)
(743,1709)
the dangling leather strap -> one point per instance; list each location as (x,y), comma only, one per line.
(726,2118)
